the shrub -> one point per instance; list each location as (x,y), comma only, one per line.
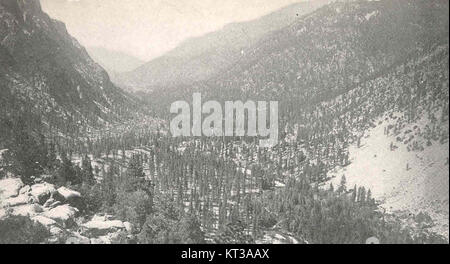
(133,207)
(161,230)
(22,230)
(92,198)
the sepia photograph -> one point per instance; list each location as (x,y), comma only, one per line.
(207,122)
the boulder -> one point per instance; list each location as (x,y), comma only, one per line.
(68,194)
(51,203)
(16,201)
(44,221)
(42,191)
(77,239)
(63,214)
(29,210)
(10,188)
(100,228)
(128,226)
(25,189)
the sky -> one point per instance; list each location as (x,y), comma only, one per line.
(148,28)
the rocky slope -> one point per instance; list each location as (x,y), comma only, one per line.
(335,48)
(324,54)
(400,138)
(405,182)
(45,69)
(56,209)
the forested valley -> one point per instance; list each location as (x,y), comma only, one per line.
(104,168)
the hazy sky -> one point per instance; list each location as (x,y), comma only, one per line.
(148,28)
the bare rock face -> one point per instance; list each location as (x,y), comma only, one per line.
(22,199)
(29,210)
(10,188)
(63,215)
(14,200)
(25,189)
(68,194)
(44,221)
(97,227)
(42,192)
(53,208)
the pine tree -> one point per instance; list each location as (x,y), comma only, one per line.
(135,176)
(26,152)
(369,199)
(342,186)
(354,194)
(66,173)
(108,186)
(87,171)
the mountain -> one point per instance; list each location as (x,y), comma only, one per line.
(362,155)
(325,53)
(114,62)
(46,72)
(199,58)
(363,90)
(336,48)
(401,125)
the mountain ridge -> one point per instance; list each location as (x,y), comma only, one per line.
(46,67)
(114,62)
(201,57)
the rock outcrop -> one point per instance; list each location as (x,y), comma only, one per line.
(44,221)
(53,208)
(101,228)
(63,215)
(70,82)
(16,201)
(27,210)
(10,188)
(42,192)
(68,194)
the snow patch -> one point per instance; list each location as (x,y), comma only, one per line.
(371,14)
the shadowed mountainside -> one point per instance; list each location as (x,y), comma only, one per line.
(199,58)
